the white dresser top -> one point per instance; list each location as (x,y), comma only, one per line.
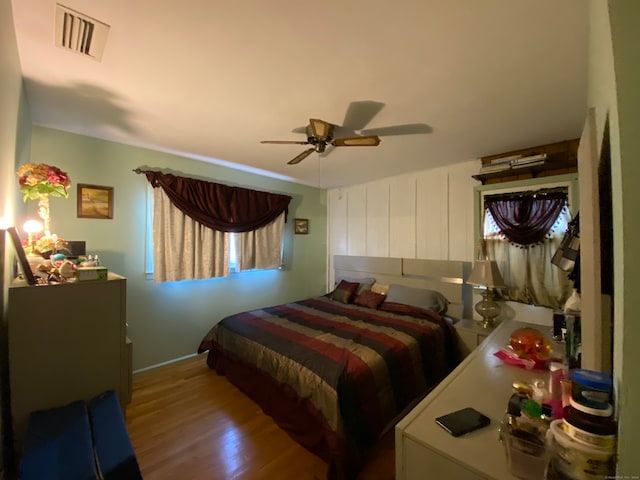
(481,381)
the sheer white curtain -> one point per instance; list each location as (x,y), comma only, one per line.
(261,248)
(183,249)
(528,272)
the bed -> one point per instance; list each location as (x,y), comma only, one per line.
(336,371)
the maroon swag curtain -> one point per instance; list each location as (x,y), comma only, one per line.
(220,207)
(526,218)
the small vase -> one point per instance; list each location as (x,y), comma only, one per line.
(43,212)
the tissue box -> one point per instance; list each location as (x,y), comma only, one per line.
(88,274)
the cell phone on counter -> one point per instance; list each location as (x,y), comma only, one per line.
(463,421)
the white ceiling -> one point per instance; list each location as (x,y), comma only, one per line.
(209,79)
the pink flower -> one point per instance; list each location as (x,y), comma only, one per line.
(57,176)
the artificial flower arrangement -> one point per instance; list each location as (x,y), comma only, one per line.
(40,179)
(45,245)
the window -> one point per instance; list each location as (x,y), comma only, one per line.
(241,229)
(234,265)
(524,241)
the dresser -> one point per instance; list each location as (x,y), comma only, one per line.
(66,342)
(425,450)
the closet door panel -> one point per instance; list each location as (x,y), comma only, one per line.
(461,211)
(356,220)
(378,219)
(432,213)
(402,212)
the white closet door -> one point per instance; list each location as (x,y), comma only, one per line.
(402,211)
(432,214)
(378,219)
(356,220)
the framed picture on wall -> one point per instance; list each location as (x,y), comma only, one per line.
(95,201)
(301,226)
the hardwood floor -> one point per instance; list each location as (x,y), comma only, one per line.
(187,423)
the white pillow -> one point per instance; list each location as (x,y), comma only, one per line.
(417,297)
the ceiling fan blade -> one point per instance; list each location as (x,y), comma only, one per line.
(288,142)
(301,157)
(360,113)
(367,141)
(320,129)
(407,129)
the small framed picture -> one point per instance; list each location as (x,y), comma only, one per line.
(301,226)
(95,201)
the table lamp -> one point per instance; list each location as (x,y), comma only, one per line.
(32,227)
(485,273)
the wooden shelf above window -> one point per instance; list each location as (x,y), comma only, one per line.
(562,157)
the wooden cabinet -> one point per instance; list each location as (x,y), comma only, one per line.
(66,342)
(425,450)
(562,157)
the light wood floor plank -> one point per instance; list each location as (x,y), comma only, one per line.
(187,423)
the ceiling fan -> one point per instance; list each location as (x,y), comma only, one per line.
(320,135)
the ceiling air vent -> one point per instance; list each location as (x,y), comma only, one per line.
(79,33)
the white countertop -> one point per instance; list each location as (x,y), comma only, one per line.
(481,381)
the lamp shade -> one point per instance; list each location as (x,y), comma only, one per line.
(487,274)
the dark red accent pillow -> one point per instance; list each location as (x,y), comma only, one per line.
(370,299)
(344,292)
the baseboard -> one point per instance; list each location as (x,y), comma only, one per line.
(169,362)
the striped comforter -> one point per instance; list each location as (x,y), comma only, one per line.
(357,366)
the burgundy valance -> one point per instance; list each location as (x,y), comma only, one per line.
(218,206)
(526,218)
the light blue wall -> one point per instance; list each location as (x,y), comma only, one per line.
(167,321)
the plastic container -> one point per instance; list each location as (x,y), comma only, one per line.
(576,460)
(591,388)
(557,373)
(598,412)
(530,342)
(592,430)
(527,456)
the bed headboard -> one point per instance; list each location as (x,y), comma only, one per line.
(445,276)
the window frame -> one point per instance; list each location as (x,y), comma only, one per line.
(570,181)
(234,263)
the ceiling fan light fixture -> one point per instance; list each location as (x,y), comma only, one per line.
(320,129)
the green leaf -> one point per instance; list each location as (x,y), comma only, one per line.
(59,191)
